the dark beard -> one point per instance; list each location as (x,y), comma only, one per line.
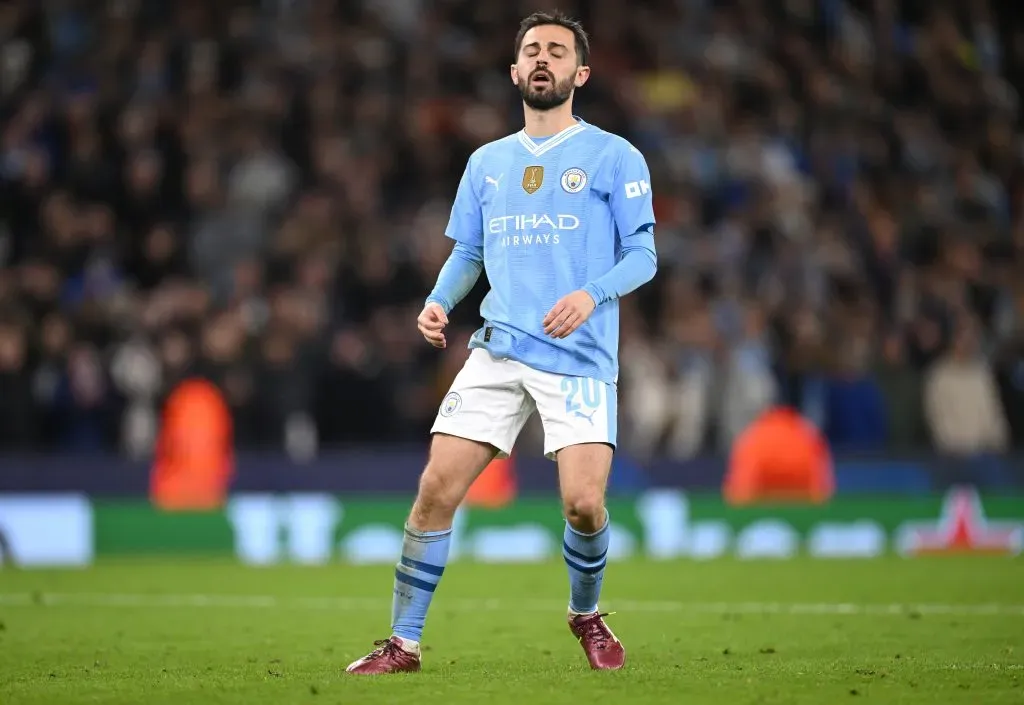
(554,95)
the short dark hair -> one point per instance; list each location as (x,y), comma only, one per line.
(539,19)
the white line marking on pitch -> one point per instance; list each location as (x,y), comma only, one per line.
(345,604)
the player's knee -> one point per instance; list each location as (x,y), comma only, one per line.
(438,497)
(585,511)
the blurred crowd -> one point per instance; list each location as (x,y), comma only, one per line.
(255,191)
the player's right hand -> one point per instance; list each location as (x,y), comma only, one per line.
(431,323)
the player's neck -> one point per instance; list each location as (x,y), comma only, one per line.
(545,123)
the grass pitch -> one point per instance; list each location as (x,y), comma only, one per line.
(932,631)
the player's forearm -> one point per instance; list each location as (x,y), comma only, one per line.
(458,275)
(637,266)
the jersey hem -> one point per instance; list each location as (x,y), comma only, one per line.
(476,343)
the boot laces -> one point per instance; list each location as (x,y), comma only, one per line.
(385,647)
(596,631)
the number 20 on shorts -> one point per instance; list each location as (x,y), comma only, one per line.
(581,392)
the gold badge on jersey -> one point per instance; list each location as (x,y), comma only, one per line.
(533,179)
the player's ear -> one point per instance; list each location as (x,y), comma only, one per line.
(582,75)
(515,75)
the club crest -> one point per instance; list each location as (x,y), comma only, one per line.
(573,180)
(451,404)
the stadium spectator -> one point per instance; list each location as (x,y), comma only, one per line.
(748,385)
(17,428)
(962,401)
(902,392)
(855,407)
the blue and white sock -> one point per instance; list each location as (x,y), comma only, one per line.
(424,555)
(585,555)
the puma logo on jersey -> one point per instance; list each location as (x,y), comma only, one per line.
(495,182)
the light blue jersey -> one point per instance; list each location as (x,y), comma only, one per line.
(546,218)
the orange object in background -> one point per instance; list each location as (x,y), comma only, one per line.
(780,457)
(496,486)
(195,450)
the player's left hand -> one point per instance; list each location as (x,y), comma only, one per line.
(568,314)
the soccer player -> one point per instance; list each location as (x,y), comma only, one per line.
(560,216)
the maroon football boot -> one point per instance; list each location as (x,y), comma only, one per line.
(603,649)
(391,656)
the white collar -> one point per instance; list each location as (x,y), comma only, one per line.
(553,141)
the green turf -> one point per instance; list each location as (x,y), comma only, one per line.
(156,632)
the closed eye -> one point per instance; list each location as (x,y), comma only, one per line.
(555,49)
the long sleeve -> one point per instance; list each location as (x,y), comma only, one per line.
(458,275)
(637,265)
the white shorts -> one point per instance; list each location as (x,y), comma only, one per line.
(492,398)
